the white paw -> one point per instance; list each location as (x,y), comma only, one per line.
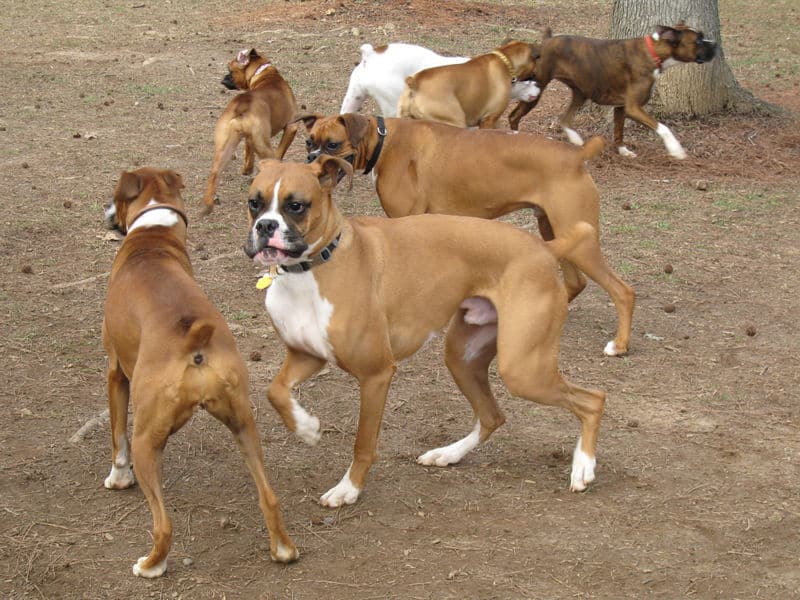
(306,425)
(573,136)
(678,153)
(582,469)
(152,572)
(449,455)
(612,350)
(120,478)
(285,554)
(623,151)
(342,493)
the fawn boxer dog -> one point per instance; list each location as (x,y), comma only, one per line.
(475,93)
(170,352)
(267,107)
(368,292)
(618,73)
(426,167)
(382,74)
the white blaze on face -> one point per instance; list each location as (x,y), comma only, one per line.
(271,214)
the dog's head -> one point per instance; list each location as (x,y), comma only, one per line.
(686,44)
(136,189)
(242,69)
(340,136)
(522,56)
(290,210)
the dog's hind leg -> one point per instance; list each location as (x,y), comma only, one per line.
(121,475)
(289,132)
(469,351)
(573,278)
(233,409)
(249,157)
(528,364)
(225,143)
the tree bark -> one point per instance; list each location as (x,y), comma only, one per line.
(691,88)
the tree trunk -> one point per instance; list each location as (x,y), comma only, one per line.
(691,88)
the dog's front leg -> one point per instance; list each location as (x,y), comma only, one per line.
(297,367)
(373,399)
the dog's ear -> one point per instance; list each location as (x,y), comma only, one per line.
(536,51)
(668,34)
(329,168)
(173,180)
(307,119)
(356,126)
(243,58)
(128,188)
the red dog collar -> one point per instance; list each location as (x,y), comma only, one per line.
(648,40)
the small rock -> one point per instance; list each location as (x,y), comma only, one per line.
(669,308)
(76,135)
(67,204)
(653,337)
(187,562)
(750,330)
(330,12)
(355,31)
(160,105)
(26,412)
(668,268)
(701,184)
(109,537)
(27,269)
(25,165)
(633,423)
(255,356)
(626,206)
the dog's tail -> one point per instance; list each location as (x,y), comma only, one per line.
(565,245)
(593,147)
(196,334)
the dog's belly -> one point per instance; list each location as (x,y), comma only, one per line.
(300,314)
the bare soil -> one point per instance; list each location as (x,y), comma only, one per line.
(698,489)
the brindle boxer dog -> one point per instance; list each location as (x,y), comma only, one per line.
(618,73)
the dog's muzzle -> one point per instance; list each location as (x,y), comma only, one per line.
(227,81)
(313,155)
(264,231)
(706,51)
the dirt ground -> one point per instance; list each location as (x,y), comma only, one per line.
(697,492)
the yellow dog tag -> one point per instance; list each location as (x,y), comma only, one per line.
(263,282)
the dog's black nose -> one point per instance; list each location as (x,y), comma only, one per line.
(227,81)
(266,227)
(312,156)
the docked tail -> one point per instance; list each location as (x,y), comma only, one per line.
(563,246)
(592,148)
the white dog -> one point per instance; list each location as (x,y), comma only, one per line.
(382,73)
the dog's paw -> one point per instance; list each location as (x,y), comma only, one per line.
(573,136)
(439,457)
(151,572)
(612,349)
(342,493)
(582,469)
(120,478)
(306,425)
(623,151)
(678,153)
(284,553)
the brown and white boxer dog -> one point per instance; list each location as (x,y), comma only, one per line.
(426,167)
(618,73)
(367,292)
(267,107)
(474,93)
(170,352)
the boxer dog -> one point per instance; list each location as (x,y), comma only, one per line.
(618,73)
(170,352)
(367,292)
(426,167)
(381,75)
(475,93)
(267,107)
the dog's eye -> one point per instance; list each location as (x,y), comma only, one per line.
(296,208)
(333,145)
(254,204)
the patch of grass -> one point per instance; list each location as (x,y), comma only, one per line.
(663,225)
(624,228)
(150,90)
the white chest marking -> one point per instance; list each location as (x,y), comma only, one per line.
(300,314)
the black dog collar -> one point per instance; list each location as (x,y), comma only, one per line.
(323,257)
(381,134)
